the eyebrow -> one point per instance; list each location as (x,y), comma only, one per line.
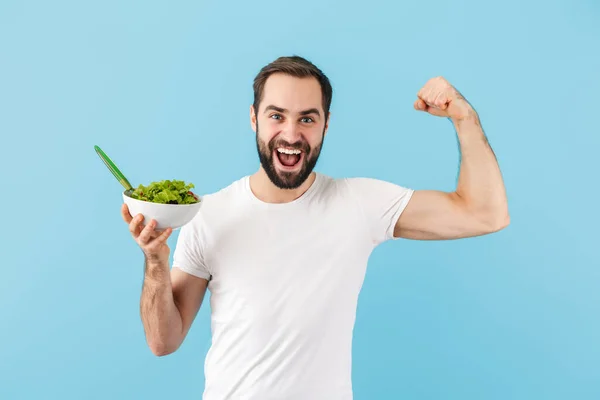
(283,110)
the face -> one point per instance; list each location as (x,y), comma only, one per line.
(290,127)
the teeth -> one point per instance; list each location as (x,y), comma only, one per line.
(288,151)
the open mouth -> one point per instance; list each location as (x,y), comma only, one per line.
(289,158)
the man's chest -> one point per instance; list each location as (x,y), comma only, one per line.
(288,265)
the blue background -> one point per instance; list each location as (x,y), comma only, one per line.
(165,89)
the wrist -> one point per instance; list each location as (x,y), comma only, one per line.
(156,269)
(469,119)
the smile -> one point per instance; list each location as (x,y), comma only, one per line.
(289,159)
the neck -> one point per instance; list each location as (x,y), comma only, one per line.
(266,191)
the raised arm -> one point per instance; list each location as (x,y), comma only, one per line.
(478,206)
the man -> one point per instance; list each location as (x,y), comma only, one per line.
(284,251)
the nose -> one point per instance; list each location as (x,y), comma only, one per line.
(291,132)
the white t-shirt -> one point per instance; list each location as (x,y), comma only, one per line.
(284,283)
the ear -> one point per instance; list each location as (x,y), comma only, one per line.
(253,118)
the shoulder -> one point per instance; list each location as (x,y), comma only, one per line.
(359,186)
(372,195)
(344,184)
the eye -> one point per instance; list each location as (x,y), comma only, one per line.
(276,116)
(307,119)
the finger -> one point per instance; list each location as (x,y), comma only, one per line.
(427,91)
(162,238)
(420,105)
(437,112)
(155,244)
(423,94)
(134,225)
(125,213)
(441,100)
(146,233)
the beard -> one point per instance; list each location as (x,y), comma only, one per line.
(287,179)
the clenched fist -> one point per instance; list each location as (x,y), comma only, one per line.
(440,98)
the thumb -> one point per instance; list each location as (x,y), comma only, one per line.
(437,112)
(420,105)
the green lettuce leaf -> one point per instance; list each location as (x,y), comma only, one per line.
(166,192)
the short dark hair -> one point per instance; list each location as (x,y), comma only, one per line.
(295,66)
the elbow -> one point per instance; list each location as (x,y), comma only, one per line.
(161,349)
(497,222)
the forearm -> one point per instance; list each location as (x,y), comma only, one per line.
(160,315)
(480,184)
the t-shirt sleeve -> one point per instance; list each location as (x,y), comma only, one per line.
(381,204)
(188,254)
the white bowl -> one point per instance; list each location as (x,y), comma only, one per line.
(172,216)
